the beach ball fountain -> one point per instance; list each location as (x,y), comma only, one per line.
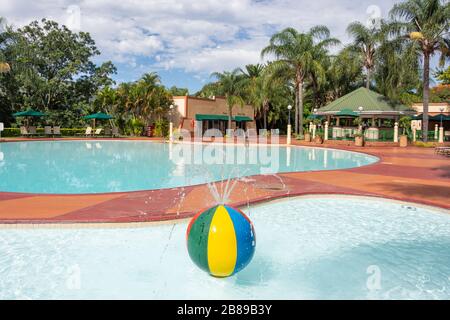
(221,241)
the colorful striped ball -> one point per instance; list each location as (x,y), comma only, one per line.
(221,241)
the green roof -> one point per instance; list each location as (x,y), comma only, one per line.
(363,97)
(242,119)
(347,113)
(29,113)
(200,117)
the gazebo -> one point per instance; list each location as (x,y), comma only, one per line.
(371,107)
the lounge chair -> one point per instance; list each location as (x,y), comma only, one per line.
(108,132)
(443,151)
(87,133)
(115,132)
(98,132)
(57,131)
(32,131)
(24,132)
(48,131)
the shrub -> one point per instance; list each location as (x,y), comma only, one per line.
(161,128)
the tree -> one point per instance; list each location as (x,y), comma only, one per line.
(51,71)
(343,75)
(444,76)
(296,59)
(366,40)
(426,23)
(396,73)
(175,91)
(232,86)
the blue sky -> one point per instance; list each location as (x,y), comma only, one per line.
(186,40)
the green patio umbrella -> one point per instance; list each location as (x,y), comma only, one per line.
(98,116)
(433,118)
(29,114)
(314,117)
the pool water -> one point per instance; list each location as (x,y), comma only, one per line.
(307,248)
(76,167)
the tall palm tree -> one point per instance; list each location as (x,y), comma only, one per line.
(251,79)
(366,40)
(233,87)
(296,59)
(426,22)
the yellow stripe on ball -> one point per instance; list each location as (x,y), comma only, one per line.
(222,245)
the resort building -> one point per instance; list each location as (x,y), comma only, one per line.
(200,114)
(377,113)
(437,112)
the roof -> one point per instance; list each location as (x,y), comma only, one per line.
(200,117)
(370,100)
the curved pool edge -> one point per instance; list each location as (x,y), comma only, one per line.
(49,224)
(377,160)
(316,183)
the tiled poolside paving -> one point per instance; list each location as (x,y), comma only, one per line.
(409,174)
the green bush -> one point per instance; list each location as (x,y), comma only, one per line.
(161,128)
(134,127)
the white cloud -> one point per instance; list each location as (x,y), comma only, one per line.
(197,36)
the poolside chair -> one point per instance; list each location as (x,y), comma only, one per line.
(275,132)
(98,132)
(108,132)
(32,131)
(115,132)
(57,131)
(48,131)
(87,133)
(24,132)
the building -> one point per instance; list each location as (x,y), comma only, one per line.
(376,111)
(437,112)
(200,114)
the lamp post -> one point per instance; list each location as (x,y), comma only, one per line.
(171,123)
(441,128)
(289,128)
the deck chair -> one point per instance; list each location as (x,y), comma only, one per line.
(115,132)
(32,131)
(87,133)
(108,132)
(24,132)
(57,131)
(98,132)
(48,131)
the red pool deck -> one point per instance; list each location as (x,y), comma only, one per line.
(410,174)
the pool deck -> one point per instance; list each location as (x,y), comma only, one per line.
(409,174)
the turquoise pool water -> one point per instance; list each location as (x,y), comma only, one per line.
(307,248)
(76,167)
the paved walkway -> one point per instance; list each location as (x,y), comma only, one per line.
(409,174)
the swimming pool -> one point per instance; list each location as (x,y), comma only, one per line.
(307,248)
(77,167)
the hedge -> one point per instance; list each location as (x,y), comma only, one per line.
(66,132)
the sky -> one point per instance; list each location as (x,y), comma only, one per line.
(186,40)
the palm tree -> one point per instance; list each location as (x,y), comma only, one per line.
(233,87)
(251,81)
(426,22)
(366,40)
(296,59)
